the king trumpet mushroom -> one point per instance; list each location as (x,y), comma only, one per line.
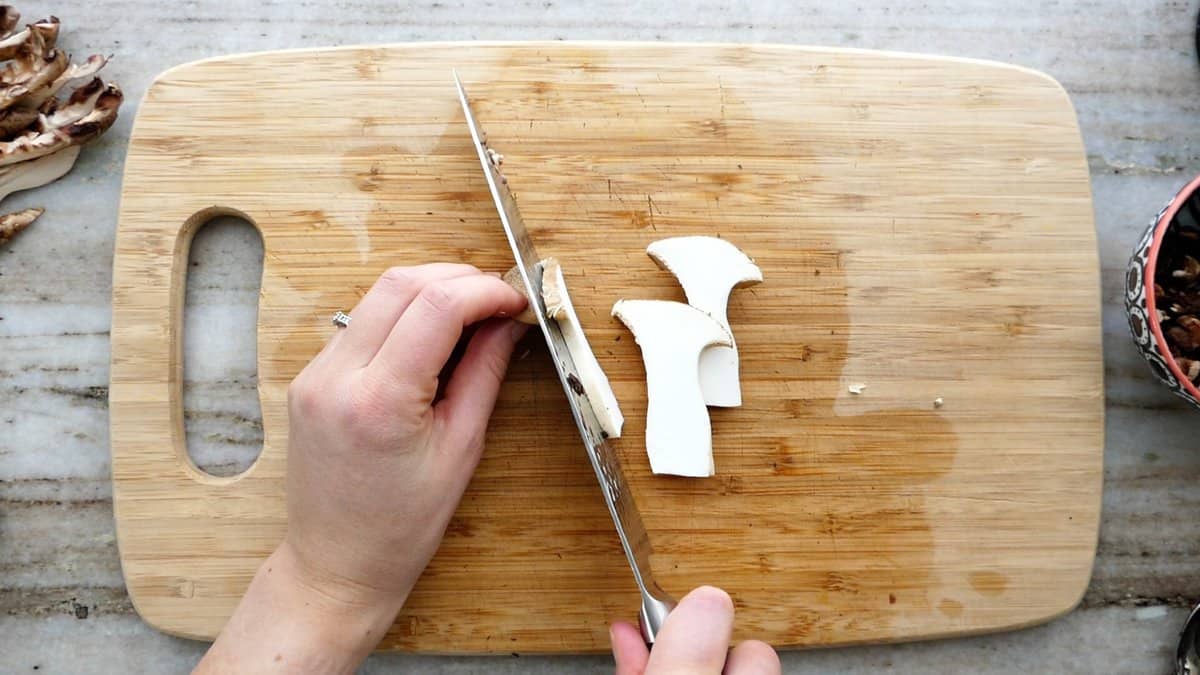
(672,337)
(590,375)
(709,269)
(40,135)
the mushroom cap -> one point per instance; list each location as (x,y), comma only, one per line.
(708,268)
(674,326)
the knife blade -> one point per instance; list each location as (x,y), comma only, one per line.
(631,530)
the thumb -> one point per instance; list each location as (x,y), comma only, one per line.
(695,637)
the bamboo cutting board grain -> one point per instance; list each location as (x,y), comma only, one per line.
(924,226)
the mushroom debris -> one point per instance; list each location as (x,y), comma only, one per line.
(41,131)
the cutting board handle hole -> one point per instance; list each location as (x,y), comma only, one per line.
(222,414)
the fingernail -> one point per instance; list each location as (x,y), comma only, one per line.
(612,637)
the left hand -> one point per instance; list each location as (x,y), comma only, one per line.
(376,468)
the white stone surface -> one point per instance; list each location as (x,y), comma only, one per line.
(1130,68)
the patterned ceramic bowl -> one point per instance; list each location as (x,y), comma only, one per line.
(1139,295)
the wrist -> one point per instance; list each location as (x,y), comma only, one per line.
(342,611)
(291,620)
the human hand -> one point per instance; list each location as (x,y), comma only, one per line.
(694,640)
(376,467)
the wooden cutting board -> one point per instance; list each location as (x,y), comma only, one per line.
(925,229)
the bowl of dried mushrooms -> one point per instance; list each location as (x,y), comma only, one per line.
(1162,294)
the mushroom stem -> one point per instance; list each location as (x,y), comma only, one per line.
(595,383)
(672,336)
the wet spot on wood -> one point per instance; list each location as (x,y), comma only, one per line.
(988,583)
(950,608)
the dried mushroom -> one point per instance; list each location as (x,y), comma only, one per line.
(1177,290)
(40,134)
(12,223)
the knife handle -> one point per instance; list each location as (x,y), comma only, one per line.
(654,613)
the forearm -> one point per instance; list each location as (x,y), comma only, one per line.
(287,624)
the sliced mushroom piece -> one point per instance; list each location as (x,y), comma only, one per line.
(91,125)
(39,77)
(16,119)
(591,376)
(48,30)
(9,18)
(12,44)
(44,98)
(709,269)
(12,223)
(37,172)
(81,102)
(34,66)
(672,336)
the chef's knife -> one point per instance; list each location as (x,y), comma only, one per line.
(656,604)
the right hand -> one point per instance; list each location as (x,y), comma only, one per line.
(694,640)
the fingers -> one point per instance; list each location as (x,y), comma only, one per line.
(629,651)
(753,658)
(463,413)
(423,338)
(695,636)
(373,318)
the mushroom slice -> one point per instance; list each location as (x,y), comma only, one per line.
(672,336)
(32,68)
(38,77)
(81,102)
(37,172)
(15,119)
(709,268)
(12,223)
(12,44)
(48,30)
(591,376)
(44,98)
(9,18)
(84,129)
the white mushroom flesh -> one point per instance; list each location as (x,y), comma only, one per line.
(591,376)
(37,172)
(708,269)
(672,336)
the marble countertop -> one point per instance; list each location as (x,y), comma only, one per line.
(1133,76)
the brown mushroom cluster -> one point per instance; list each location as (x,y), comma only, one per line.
(42,126)
(1177,290)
